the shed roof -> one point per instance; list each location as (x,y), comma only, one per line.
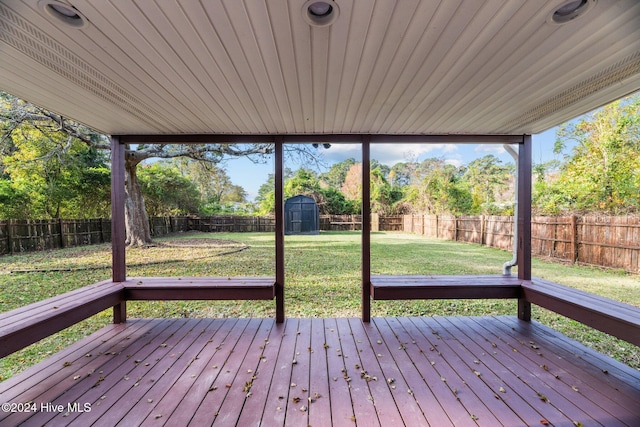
(259,67)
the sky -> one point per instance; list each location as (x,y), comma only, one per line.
(251,176)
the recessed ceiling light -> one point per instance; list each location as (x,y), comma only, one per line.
(63,13)
(320,13)
(570,10)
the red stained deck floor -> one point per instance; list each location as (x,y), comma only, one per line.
(436,371)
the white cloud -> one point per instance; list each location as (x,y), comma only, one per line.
(391,154)
(490,148)
(454,160)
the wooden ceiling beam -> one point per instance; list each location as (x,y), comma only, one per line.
(319,138)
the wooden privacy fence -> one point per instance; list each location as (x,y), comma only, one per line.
(39,235)
(30,235)
(596,240)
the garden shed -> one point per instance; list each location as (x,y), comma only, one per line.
(301,215)
(283,72)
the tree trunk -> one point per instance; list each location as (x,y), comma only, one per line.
(135,212)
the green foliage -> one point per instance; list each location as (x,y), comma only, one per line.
(602,172)
(486,178)
(167,192)
(384,196)
(335,177)
(14,202)
(437,188)
(52,176)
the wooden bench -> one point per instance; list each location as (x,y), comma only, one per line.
(26,325)
(199,288)
(612,317)
(444,287)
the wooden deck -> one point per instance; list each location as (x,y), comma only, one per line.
(434,371)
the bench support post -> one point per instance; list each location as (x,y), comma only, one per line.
(524,221)
(120,312)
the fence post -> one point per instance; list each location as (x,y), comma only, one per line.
(10,235)
(61,225)
(574,239)
(455,228)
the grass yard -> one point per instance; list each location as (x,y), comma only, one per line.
(323,280)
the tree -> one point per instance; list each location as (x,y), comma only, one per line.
(167,192)
(602,170)
(402,173)
(54,174)
(217,193)
(14,202)
(438,189)
(352,185)
(384,196)
(486,178)
(335,177)
(17,113)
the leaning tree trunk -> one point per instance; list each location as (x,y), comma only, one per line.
(135,212)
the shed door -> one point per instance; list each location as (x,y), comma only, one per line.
(296,218)
(302,217)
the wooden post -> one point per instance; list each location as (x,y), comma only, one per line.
(10,225)
(455,228)
(118,232)
(279,193)
(61,225)
(574,239)
(524,221)
(366,229)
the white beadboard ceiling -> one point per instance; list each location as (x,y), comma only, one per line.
(383,67)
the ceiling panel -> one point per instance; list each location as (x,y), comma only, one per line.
(258,67)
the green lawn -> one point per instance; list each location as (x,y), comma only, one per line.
(323,280)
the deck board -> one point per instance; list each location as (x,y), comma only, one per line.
(565,392)
(387,372)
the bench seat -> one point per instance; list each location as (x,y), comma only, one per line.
(199,288)
(26,325)
(604,314)
(444,287)
(612,317)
